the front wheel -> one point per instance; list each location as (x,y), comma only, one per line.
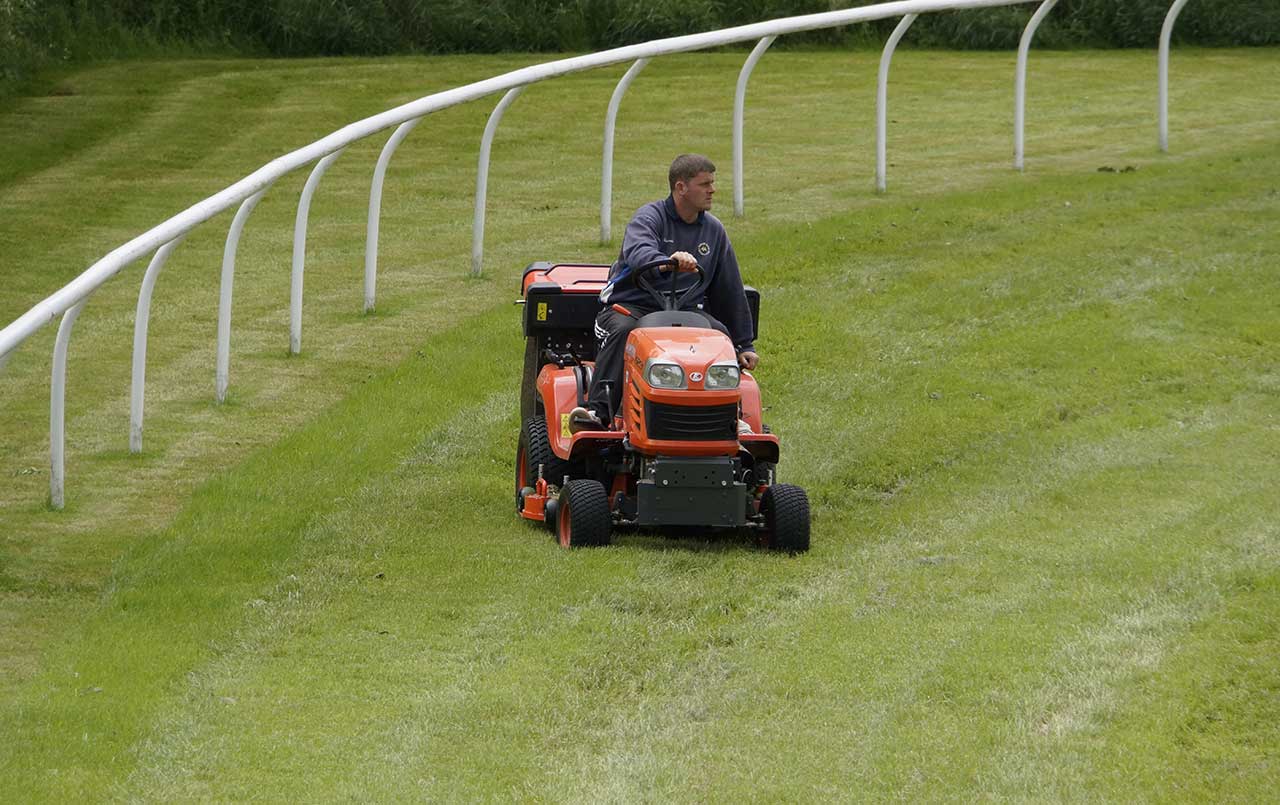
(582,516)
(786,518)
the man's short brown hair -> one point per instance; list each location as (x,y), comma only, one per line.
(687,166)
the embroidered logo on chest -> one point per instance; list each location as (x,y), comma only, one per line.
(704,249)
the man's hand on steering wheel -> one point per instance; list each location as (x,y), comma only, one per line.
(685,261)
(748,359)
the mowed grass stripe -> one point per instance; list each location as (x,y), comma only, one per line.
(448,585)
(186,588)
(470,780)
(1134,447)
(350,579)
(186,433)
(971,546)
(197,123)
(892,668)
(923,360)
(1200,711)
(1117,677)
(525,672)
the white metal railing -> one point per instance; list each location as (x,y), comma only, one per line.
(882,97)
(300,250)
(739,110)
(606,168)
(482,178)
(1166,34)
(141,319)
(1020,81)
(164,238)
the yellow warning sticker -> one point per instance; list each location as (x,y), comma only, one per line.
(542,311)
(564,426)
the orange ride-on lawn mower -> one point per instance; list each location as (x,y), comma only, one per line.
(688,447)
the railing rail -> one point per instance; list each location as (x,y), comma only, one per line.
(163,238)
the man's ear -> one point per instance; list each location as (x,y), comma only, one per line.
(680,189)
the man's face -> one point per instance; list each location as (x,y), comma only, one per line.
(699,190)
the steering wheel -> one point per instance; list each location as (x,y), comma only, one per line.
(668,301)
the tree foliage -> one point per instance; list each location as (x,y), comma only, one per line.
(39,33)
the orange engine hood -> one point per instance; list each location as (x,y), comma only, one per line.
(693,348)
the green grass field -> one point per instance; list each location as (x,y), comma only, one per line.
(1036,414)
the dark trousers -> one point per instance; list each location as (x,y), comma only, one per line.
(612,329)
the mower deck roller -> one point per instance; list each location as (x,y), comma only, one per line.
(688,447)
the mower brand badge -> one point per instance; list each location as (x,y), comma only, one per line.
(696,376)
(564,426)
(704,249)
(542,311)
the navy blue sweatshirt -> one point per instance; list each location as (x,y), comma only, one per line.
(657,231)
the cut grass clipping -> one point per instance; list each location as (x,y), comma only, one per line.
(1036,414)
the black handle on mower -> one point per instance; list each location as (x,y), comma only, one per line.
(672,302)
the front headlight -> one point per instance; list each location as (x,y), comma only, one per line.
(665,376)
(722,376)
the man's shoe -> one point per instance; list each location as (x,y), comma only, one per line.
(581,419)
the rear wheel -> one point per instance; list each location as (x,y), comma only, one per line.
(534,451)
(786,518)
(529,379)
(582,516)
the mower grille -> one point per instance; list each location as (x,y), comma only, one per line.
(699,423)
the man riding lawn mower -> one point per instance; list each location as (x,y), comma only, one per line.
(684,446)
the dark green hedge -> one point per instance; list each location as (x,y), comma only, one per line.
(39,33)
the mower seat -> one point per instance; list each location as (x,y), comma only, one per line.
(673,318)
(753,304)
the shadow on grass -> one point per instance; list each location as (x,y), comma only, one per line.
(688,539)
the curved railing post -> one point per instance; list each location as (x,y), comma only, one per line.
(300,250)
(482,179)
(57,406)
(375,210)
(224,294)
(1166,34)
(1020,81)
(606,168)
(739,105)
(141,320)
(882,99)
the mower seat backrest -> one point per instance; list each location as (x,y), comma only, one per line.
(753,302)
